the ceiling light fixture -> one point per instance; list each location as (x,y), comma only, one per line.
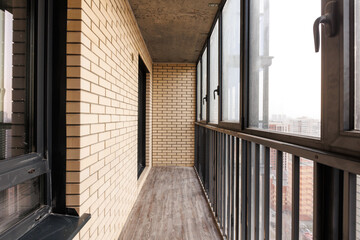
(213,4)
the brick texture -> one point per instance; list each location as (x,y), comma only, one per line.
(103,45)
(173,114)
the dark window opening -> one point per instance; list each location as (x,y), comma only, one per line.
(141,117)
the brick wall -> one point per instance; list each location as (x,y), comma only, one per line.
(103,45)
(173,114)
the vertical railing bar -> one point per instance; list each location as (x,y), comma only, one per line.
(208,163)
(295,197)
(317,201)
(237,188)
(248,192)
(215,171)
(218,177)
(243,188)
(211,159)
(221,179)
(257,178)
(224,184)
(267,193)
(279,178)
(229,186)
(232,187)
(350,208)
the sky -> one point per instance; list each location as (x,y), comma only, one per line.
(295,73)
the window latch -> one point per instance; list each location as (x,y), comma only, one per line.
(216,91)
(329,20)
(204,99)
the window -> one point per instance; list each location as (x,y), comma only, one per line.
(23,166)
(231,61)
(15,85)
(204,84)
(19,201)
(285,81)
(198,89)
(214,73)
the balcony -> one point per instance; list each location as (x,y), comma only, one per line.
(136,119)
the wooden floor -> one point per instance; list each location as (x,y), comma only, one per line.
(170,206)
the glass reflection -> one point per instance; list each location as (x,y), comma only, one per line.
(18,201)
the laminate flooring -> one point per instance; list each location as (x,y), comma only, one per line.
(171,206)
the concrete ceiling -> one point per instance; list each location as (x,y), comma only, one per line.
(174,30)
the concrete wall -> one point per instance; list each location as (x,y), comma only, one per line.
(173,114)
(103,45)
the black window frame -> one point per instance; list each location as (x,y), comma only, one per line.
(52,218)
(16,170)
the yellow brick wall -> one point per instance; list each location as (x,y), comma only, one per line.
(103,45)
(173,114)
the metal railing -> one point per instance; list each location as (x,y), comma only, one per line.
(243,177)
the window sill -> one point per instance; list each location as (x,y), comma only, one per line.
(57,227)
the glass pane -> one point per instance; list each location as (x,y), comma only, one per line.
(287,196)
(18,201)
(306,200)
(214,73)
(14,79)
(285,71)
(198,86)
(357,64)
(272,210)
(204,83)
(231,61)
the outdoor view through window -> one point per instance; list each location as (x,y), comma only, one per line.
(285,71)
(13,80)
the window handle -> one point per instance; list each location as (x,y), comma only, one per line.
(216,91)
(329,20)
(204,98)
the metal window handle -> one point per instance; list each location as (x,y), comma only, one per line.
(329,20)
(204,98)
(216,91)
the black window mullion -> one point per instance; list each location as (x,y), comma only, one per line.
(201,87)
(208,80)
(40,78)
(220,70)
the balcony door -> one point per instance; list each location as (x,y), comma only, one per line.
(141,117)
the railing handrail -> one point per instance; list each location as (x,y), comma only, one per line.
(342,162)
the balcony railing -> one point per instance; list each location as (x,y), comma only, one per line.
(243,175)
